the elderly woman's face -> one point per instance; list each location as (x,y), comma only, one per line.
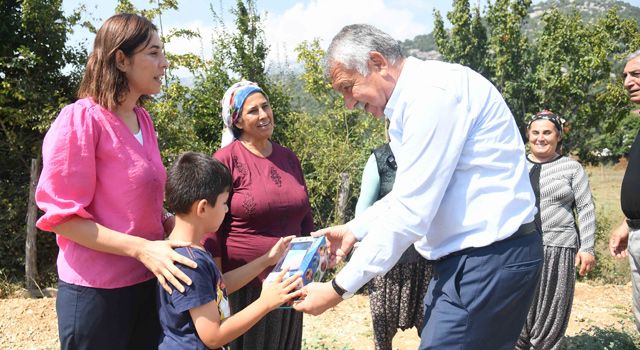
(256,120)
(543,138)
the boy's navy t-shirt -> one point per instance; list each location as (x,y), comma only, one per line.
(178,330)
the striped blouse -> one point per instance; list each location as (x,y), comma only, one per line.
(567,209)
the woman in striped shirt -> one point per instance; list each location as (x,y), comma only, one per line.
(566,215)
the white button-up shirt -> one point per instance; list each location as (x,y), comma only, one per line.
(462,178)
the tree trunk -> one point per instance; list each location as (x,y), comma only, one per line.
(343,198)
(31,259)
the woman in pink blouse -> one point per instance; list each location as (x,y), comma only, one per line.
(102,189)
(269,200)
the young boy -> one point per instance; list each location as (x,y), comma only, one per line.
(197,192)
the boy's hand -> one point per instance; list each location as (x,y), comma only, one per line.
(278,249)
(281,291)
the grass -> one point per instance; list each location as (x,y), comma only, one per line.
(7,286)
(605,186)
(324,342)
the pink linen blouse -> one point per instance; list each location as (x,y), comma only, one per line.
(94,168)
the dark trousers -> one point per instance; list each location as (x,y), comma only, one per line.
(480,299)
(95,318)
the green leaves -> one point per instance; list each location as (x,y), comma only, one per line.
(33,86)
(569,65)
(329,139)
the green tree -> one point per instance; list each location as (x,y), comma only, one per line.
(33,86)
(187,116)
(567,67)
(331,142)
(494,46)
(509,61)
(247,51)
(193,112)
(467,41)
(573,77)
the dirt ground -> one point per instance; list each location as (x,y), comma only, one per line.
(31,323)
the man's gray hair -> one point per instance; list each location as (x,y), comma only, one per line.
(632,56)
(352,45)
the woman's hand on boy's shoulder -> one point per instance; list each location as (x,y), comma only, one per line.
(160,258)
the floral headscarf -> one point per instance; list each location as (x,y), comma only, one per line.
(550,116)
(232,103)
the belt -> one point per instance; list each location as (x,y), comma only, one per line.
(634,224)
(523,230)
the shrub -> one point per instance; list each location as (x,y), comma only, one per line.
(609,338)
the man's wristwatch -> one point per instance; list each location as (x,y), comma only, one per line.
(341,291)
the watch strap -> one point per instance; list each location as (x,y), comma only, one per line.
(343,293)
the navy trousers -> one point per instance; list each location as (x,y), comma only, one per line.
(479,299)
(95,319)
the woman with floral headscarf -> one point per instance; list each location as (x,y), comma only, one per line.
(269,200)
(562,194)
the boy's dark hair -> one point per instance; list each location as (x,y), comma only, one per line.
(193,177)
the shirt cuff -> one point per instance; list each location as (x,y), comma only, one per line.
(358,227)
(348,282)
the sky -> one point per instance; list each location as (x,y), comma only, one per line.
(286,22)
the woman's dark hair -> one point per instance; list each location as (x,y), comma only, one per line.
(102,80)
(193,177)
(236,131)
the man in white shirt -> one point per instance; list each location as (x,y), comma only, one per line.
(462,194)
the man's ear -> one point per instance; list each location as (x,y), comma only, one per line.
(377,62)
(122,61)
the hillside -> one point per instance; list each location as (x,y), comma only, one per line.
(423,45)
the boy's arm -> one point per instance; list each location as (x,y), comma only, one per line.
(215,333)
(238,278)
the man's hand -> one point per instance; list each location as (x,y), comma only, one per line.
(586,261)
(340,240)
(317,298)
(619,240)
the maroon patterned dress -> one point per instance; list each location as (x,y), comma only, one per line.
(269,200)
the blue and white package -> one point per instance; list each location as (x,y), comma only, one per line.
(305,255)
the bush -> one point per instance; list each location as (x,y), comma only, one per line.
(608,269)
(610,338)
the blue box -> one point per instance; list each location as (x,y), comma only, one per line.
(306,255)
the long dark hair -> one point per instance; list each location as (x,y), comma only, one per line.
(102,80)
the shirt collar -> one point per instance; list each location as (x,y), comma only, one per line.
(409,63)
